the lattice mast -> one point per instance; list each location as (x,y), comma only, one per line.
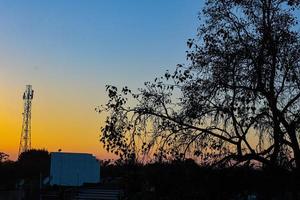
(25,141)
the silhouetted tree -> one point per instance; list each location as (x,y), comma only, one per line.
(3,157)
(7,172)
(34,162)
(236,102)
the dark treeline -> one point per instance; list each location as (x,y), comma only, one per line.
(177,179)
(188,180)
(26,171)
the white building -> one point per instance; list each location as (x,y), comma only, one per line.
(73,169)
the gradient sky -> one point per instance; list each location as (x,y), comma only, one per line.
(70,49)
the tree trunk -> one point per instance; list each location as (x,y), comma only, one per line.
(295,146)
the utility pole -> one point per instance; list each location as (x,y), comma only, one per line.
(25,141)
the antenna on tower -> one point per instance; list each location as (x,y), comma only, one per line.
(25,141)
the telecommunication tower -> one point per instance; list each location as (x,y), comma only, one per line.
(25,141)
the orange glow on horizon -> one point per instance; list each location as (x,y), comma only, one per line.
(66,122)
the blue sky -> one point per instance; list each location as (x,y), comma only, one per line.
(70,49)
(133,38)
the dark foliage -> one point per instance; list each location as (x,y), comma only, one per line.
(7,171)
(33,163)
(178,180)
(29,167)
(3,157)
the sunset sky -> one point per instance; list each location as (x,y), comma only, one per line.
(69,50)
